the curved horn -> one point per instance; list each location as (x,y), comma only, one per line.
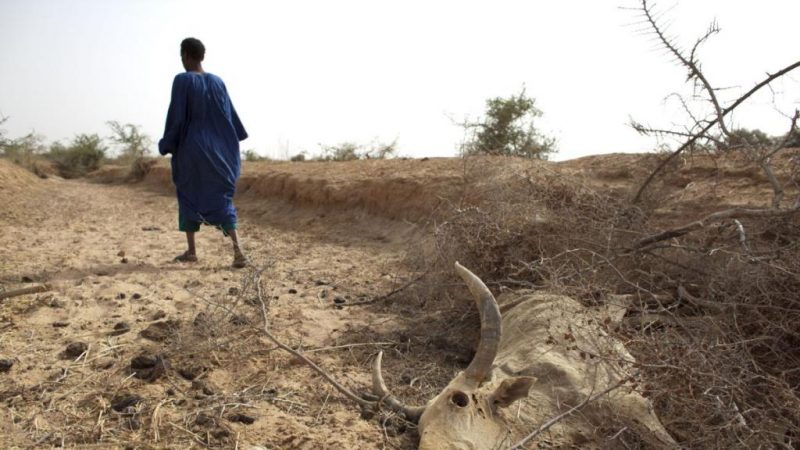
(412,413)
(491,326)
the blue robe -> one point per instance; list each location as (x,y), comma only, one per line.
(202,134)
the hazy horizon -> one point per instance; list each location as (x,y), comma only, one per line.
(307,73)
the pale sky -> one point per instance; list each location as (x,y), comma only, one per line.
(302,73)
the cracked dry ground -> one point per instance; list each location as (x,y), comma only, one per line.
(131,350)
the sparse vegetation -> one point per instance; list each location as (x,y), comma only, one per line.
(133,147)
(251,155)
(85,153)
(740,138)
(27,151)
(346,151)
(133,144)
(351,151)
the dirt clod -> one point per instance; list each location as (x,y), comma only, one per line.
(122,402)
(75,349)
(191,372)
(202,387)
(161,331)
(149,368)
(242,418)
(120,328)
(5,365)
(143,362)
(203,420)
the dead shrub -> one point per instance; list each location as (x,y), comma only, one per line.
(714,312)
(140,167)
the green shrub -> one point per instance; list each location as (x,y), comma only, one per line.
(133,144)
(508,129)
(85,154)
(744,138)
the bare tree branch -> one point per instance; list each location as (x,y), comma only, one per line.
(770,78)
(346,392)
(23,291)
(695,73)
(734,213)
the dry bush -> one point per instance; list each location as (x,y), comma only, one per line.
(713,314)
(535,226)
(140,167)
(722,357)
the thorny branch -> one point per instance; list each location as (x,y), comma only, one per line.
(695,73)
(735,213)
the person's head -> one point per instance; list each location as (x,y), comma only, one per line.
(192,53)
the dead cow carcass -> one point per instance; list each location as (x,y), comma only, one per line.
(551,353)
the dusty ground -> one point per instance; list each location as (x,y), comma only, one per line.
(321,237)
(106,252)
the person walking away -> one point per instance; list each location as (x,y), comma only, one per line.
(202,134)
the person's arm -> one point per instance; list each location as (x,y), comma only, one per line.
(177,118)
(241,133)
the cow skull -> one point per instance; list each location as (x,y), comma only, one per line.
(465,414)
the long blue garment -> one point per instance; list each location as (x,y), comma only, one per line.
(202,134)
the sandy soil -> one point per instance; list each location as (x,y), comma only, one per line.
(106,253)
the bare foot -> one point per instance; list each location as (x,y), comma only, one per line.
(186,257)
(239,261)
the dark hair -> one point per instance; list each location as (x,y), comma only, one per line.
(193,48)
